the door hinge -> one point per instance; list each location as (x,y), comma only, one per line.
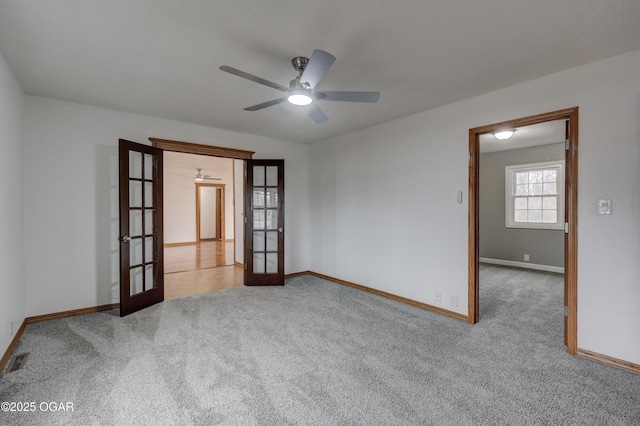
(566,144)
(566,311)
(566,227)
(245,266)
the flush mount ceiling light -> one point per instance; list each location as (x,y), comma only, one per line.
(504,134)
(299,97)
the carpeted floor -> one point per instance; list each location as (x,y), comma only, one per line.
(317,353)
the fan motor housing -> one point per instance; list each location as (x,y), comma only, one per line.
(299,63)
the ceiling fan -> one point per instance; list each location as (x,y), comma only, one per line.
(199,177)
(301,89)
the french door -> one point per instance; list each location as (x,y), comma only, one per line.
(264,222)
(141,240)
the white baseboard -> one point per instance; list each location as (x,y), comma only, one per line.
(526,265)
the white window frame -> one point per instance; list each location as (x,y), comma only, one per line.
(510,176)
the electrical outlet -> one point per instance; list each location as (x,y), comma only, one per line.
(453,300)
(526,257)
(438,296)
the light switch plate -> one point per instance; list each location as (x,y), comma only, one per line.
(605,206)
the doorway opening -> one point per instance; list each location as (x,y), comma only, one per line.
(203,225)
(532,208)
(210,212)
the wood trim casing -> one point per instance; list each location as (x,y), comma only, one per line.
(12,345)
(195,148)
(583,353)
(571,215)
(221,227)
(381,293)
(189,243)
(49,317)
(298,274)
(71,313)
(608,360)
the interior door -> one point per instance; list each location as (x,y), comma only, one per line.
(141,241)
(264,222)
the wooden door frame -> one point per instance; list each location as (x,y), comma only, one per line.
(211,151)
(220,210)
(571,216)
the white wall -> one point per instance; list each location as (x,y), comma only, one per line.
(180,194)
(413,241)
(179,207)
(71,201)
(12,287)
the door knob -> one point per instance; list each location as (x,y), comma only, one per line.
(280,229)
(125,239)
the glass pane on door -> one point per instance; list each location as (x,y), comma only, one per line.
(149,282)
(258,241)
(272,219)
(136,285)
(258,176)
(135,193)
(258,263)
(272,175)
(148,167)
(272,263)
(272,241)
(135,165)
(135,223)
(135,248)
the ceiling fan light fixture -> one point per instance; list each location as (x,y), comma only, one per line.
(299,97)
(504,134)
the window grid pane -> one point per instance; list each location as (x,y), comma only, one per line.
(535,196)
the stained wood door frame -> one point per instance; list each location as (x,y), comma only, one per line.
(571,216)
(211,151)
(220,211)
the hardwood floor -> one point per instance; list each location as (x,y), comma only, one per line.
(200,268)
(207,254)
(181,284)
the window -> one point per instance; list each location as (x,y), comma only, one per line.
(535,195)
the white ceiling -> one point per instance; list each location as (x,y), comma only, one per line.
(161,57)
(546,133)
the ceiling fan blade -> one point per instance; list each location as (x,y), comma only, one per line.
(317,115)
(370,97)
(253,78)
(265,104)
(318,65)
